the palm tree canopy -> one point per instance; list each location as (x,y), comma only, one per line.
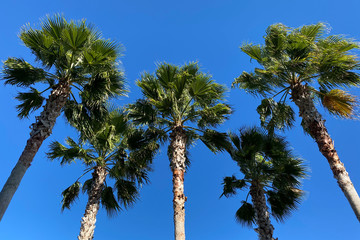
(126,153)
(267,161)
(68,51)
(303,55)
(182,97)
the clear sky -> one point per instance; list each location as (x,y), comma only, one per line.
(177,32)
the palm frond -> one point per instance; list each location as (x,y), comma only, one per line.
(283,202)
(253,83)
(70,195)
(275,115)
(68,155)
(216,141)
(214,115)
(30,101)
(109,202)
(127,192)
(339,102)
(20,73)
(245,215)
(231,184)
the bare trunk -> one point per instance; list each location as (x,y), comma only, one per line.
(177,154)
(92,207)
(265,229)
(41,129)
(313,123)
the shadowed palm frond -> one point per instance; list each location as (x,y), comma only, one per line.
(70,195)
(109,202)
(216,141)
(275,115)
(245,215)
(283,202)
(30,102)
(127,192)
(231,184)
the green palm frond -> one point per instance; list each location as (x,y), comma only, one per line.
(20,73)
(253,84)
(166,74)
(338,102)
(275,115)
(253,51)
(231,184)
(214,115)
(109,202)
(142,112)
(70,195)
(68,155)
(30,101)
(245,215)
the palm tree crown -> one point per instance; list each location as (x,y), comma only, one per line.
(72,54)
(181,97)
(117,151)
(291,57)
(269,169)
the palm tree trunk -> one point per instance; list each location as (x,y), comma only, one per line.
(92,207)
(313,122)
(177,154)
(41,129)
(265,229)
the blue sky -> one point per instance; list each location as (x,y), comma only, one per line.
(177,32)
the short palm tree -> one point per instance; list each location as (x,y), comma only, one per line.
(116,152)
(75,60)
(271,172)
(300,64)
(188,104)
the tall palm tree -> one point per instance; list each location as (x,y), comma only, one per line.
(272,174)
(300,64)
(115,151)
(75,60)
(187,103)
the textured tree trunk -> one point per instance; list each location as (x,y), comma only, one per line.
(265,229)
(41,129)
(177,154)
(313,123)
(92,207)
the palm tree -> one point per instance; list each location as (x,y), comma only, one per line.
(302,64)
(75,60)
(115,151)
(271,172)
(187,103)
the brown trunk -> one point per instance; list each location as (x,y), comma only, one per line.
(92,207)
(41,129)
(177,152)
(265,229)
(314,124)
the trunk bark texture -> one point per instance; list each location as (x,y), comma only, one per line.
(265,229)
(177,150)
(92,207)
(313,122)
(41,129)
